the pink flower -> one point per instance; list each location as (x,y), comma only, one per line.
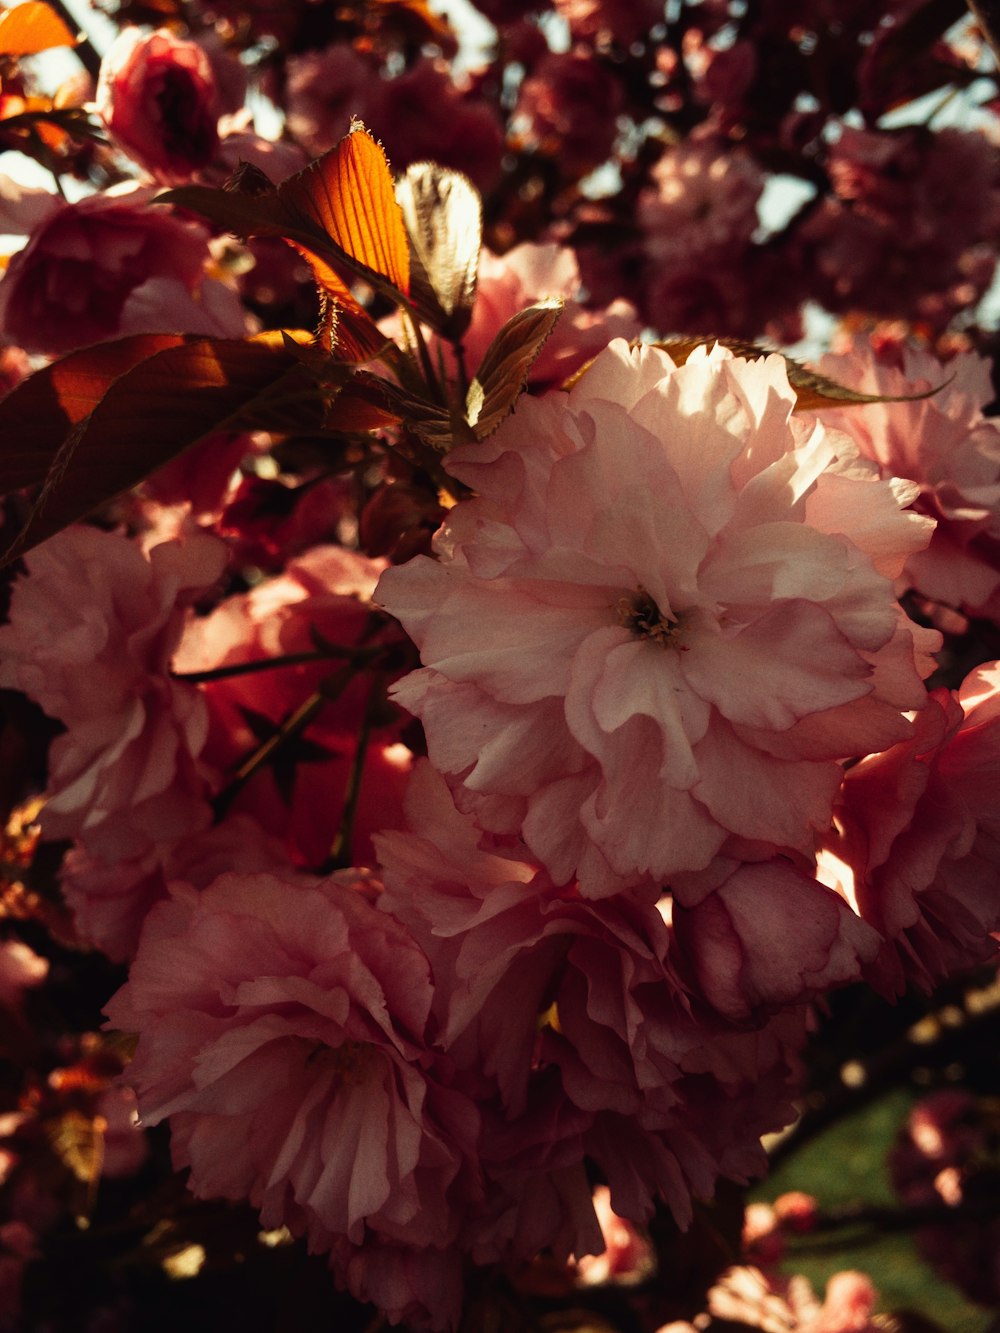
(911,226)
(282,1030)
(567,110)
(915,839)
(667,617)
(156,94)
(704,203)
(110,901)
(944,1157)
(574,1021)
(108,266)
(945,445)
(748,1298)
(628,1255)
(425,113)
(93,627)
(509,283)
(324,90)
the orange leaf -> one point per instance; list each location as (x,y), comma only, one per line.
(348,193)
(154,411)
(32,27)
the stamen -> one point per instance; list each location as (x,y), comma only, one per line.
(644,620)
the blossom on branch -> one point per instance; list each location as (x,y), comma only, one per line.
(158,99)
(664,620)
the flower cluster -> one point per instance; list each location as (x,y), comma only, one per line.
(457,753)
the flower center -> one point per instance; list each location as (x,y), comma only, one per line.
(348,1061)
(644,620)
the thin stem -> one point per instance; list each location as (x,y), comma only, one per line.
(288,730)
(230,670)
(340,850)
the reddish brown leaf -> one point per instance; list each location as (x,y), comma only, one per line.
(812,390)
(32,27)
(158,409)
(504,369)
(38,415)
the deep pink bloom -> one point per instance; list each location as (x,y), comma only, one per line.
(665,620)
(425,114)
(910,228)
(93,628)
(111,900)
(944,444)
(323,596)
(157,96)
(916,839)
(324,90)
(282,1030)
(108,266)
(567,110)
(572,1020)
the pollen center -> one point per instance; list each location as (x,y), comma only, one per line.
(644,620)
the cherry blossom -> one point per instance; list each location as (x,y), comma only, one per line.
(93,628)
(282,1030)
(945,445)
(665,619)
(157,96)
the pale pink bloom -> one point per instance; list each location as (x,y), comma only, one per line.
(628,1255)
(702,203)
(93,628)
(108,266)
(282,1030)
(666,618)
(778,1305)
(944,444)
(110,901)
(326,593)
(324,91)
(915,843)
(20,969)
(157,97)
